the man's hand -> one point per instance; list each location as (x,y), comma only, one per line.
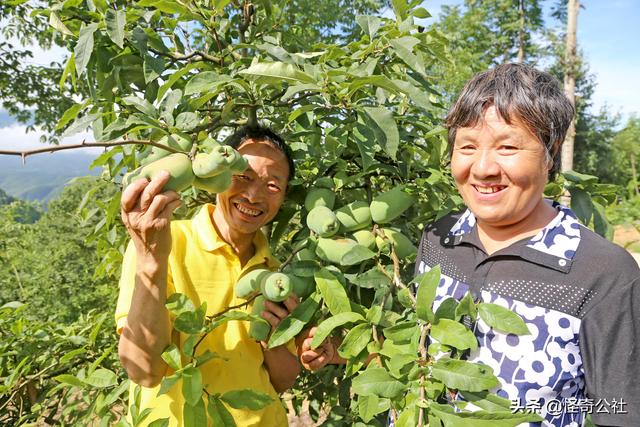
(146,213)
(275,313)
(315,359)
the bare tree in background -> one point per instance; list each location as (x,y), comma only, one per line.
(570,80)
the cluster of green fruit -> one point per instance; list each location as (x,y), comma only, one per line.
(354,223)
(210,171)
(273,286)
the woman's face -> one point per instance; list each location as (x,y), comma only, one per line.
(500,170)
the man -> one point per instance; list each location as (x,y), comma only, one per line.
(203,258)
(577,293)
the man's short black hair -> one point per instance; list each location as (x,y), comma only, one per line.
(263,133)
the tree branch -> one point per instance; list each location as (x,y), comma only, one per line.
(84,144)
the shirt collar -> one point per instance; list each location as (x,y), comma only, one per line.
(210,240)
(555,245)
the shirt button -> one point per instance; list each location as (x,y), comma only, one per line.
(446,240)
(562,262)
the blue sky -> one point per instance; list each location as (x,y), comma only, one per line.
(608,36)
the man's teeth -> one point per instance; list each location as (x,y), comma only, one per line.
(247,211)
(489,190)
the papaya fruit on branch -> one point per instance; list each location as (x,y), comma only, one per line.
(365,238)
(276,287)
(177,164)
(320,197)
(323,221)
(250,282)
(215,184)
(390,205)
(354,216)
(207,165)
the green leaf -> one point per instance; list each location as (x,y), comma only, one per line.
(355,341)
(402,48)
(421,12)
(380,81)
(246,399)
(102,378)
(481,418)
(600,223)
(168,382)
(487,401)
(179,303)
(80,124)
(400,9)
(377,382)
(172,357)
(455,334)
(467,307)
(205,81)
(328,325)
(141,105)
(219,414)
(115,21)
(187,121)
(356,255)
(166,6)
(446,310)
(463,375)
(369,24)
(55,22)
(370,406)
(581,204)
(294,322)
(194,415)
(385,129)
(278,70)
(579,178)
(152,68)
(332,291)
(192,385)
(502,319)
(69,379)
(427,294)
(190,322)
(84,48)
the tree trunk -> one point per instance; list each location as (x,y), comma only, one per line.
(633,174)
(570,80)
(521,33)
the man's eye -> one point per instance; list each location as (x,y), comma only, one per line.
(508,148)
(274,187)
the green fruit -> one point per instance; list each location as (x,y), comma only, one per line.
(389,205)
(240,165)
(174,141)
(365,238)
(209,144)
(276,287)
(354,216)
(177,164)
(332,250)
(216,184)
(259,329)
(324,182)
(323,221)
(319,197)
(206,165)
(401,243)
(302,286)
(250,282)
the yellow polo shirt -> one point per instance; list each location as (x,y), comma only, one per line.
(204,267)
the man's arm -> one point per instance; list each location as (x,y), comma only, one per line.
(282,365)
(146,213)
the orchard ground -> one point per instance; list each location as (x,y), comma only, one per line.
(628,236)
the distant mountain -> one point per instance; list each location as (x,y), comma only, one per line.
(44,175)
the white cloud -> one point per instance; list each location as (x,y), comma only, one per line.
(15,138)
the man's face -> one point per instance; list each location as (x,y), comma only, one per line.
(500,170)
(255,196)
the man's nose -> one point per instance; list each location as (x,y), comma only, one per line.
(254,193)
(485,163)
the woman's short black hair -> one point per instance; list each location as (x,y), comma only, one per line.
(263,133)
(520,92)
